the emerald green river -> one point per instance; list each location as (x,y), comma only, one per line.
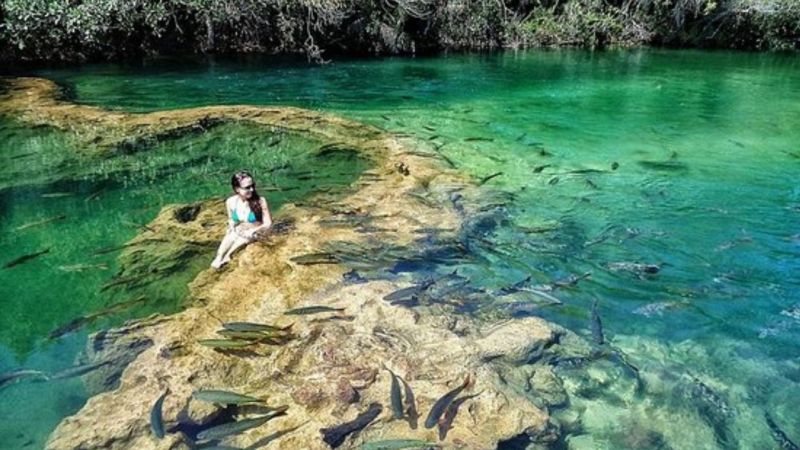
(684,160)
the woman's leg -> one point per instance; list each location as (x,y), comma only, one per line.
(227,242)
(238,243)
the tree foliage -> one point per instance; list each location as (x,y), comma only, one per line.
(79,30)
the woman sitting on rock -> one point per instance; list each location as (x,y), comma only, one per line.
(248,216)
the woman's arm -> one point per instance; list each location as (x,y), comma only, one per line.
(229,209)
(266,216)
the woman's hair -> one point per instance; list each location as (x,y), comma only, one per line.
(255,200)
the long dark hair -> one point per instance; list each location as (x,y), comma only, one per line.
(255,200)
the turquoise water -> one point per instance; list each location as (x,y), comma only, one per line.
(707,151)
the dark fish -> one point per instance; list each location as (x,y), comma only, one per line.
(41,222)
(446,421)
(411,409)
(335,436)
(714,409)
(614,165)
(78,370)
(478,139)
(673,166)
(69,327)
(538,169)
(314,258)
(553,181)
(84,320)
(274,142)
(93,195)
(227,429)
(489,177)
(14,375)
(25,258)
(251,326)
(24,155)
(429,128)
(121,281)
(311,310)
(396,397)
(410,291)
(156,418)
(784,443)
(441,405)
(597,326)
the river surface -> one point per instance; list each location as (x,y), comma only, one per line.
(684,160)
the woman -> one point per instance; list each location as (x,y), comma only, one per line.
(248,216)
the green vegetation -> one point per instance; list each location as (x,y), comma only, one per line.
(80,30)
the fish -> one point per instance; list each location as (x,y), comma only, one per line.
(441,405)
(156,417)
(311,310)
(410,291)
(553,181)
(80,321)
(224,343)
(25,258)
(398,444)
(18,374)
(78,370)
(314,258)
(227,429)
(637,268)
(673,166)
(783,441)
(24,155)
(614,165)
(41,222)
(411,409)
(489,177)
(82,267)
(538,169)
(478,139)
(57,194)
(429,128)
(251,326)
(446,422)
(224,397)
(93,195)
(335,436)
(597,325)
(395,396)
(539,293)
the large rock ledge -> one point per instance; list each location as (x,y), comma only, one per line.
(332,369)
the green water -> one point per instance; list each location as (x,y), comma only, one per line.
(707,150)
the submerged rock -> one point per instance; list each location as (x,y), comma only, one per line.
(329,372)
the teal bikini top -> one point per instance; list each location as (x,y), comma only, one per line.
(251,217)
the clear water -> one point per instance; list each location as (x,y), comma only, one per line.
(708,152)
